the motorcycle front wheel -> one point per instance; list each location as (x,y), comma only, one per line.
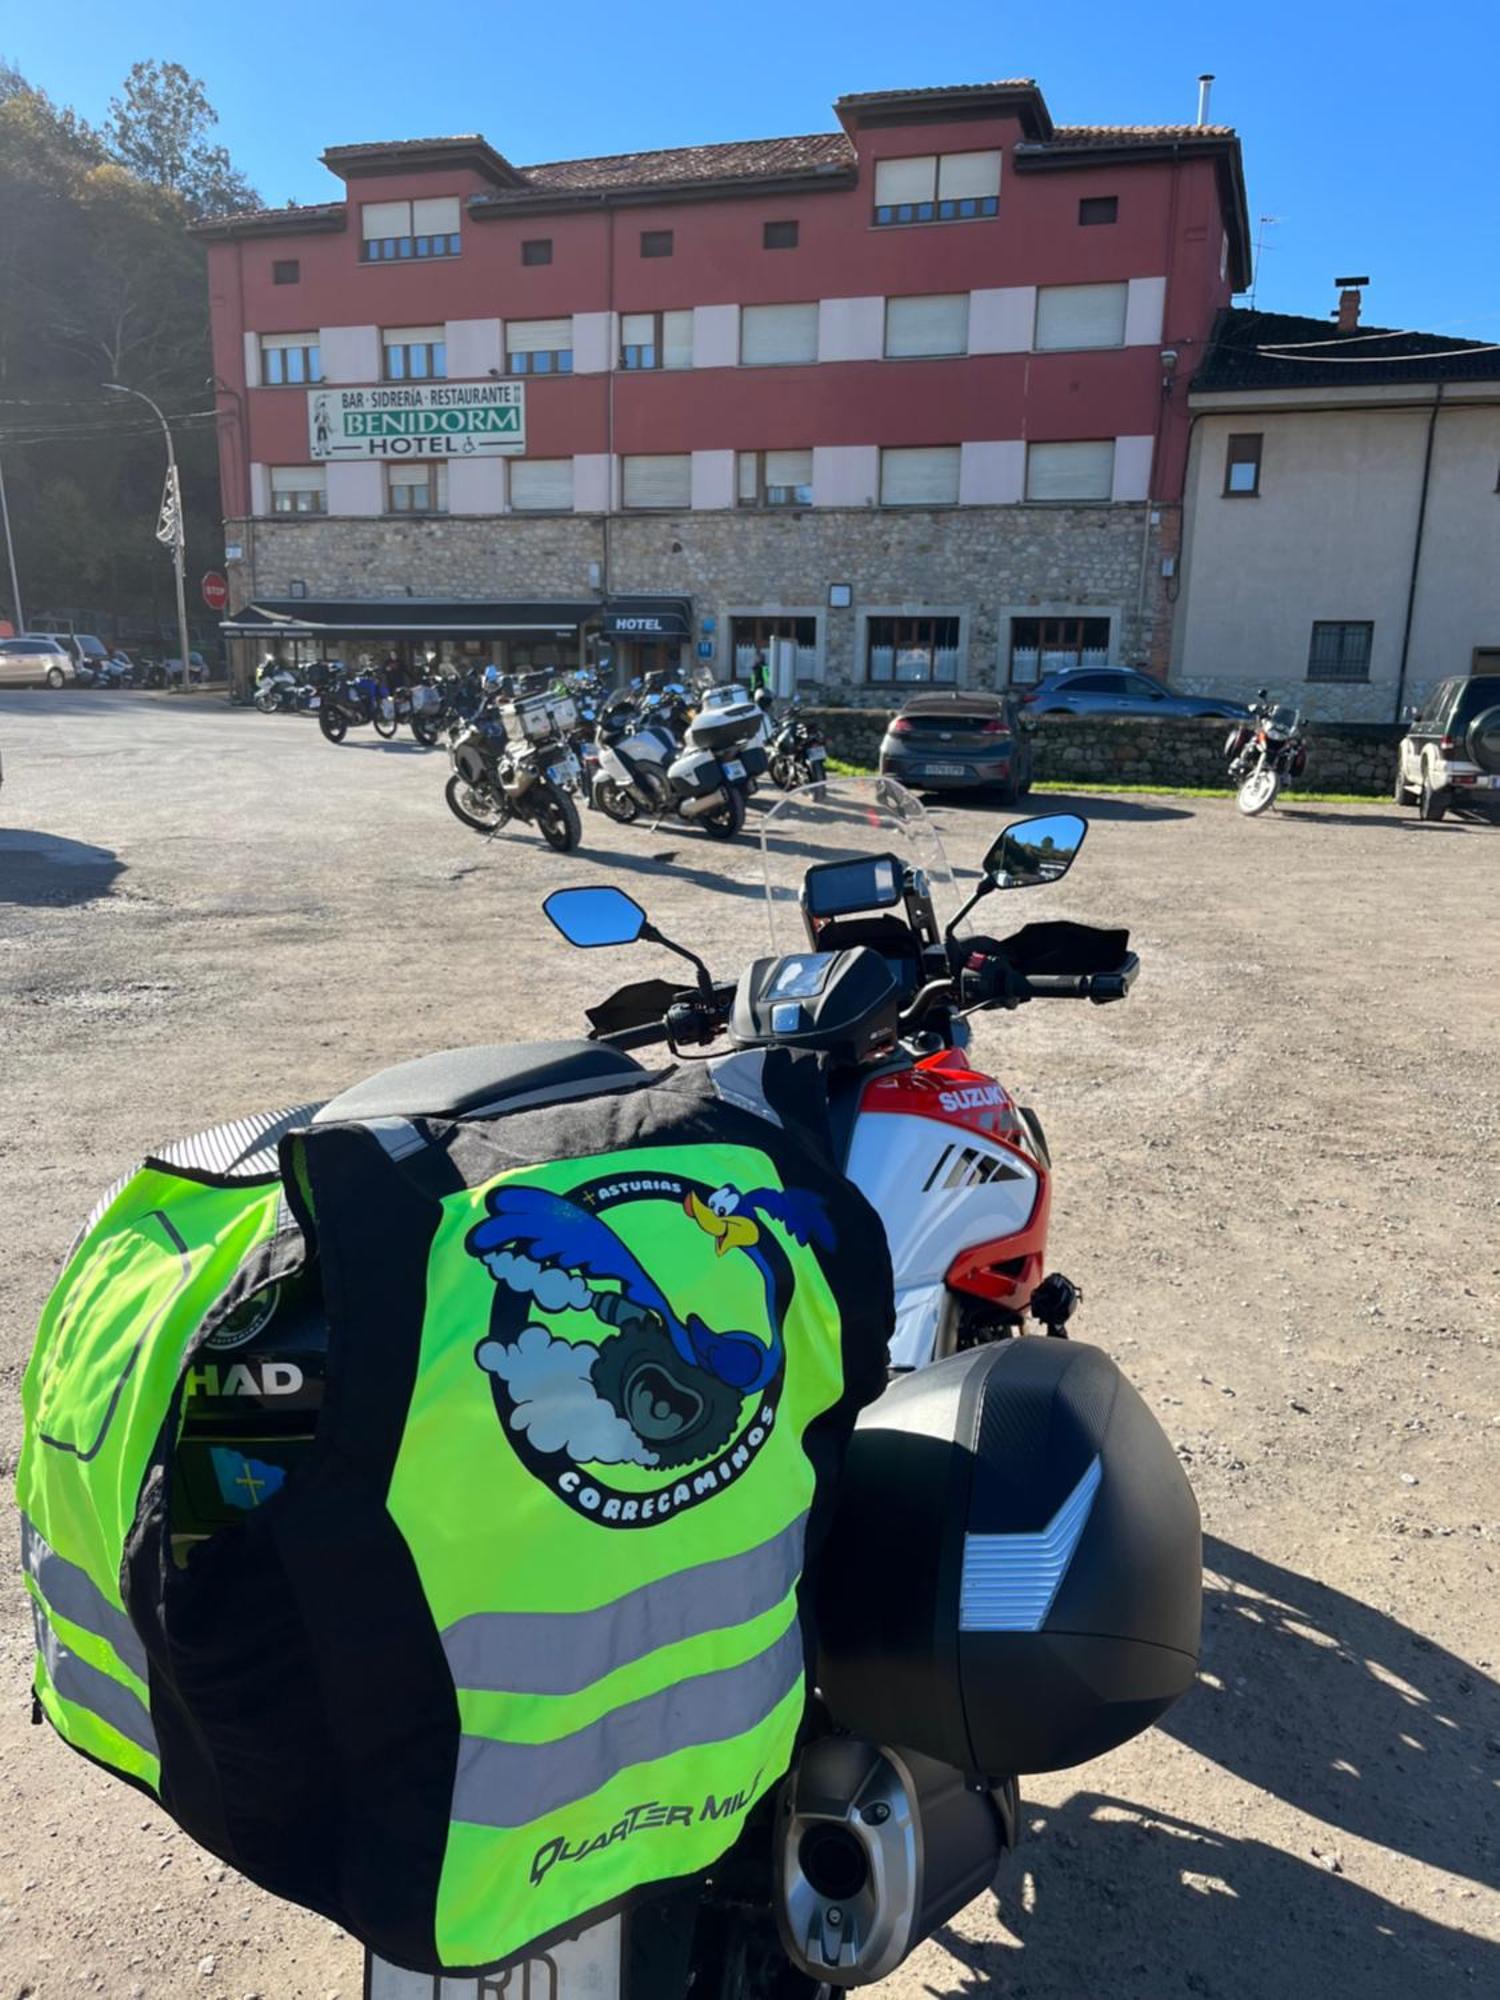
(426,730)
(557,818)
(620,806)
(332,724)
(725,821)
(1259,790)
(385,725)
(485,812)
(265,701)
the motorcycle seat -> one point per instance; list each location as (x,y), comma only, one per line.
(455,1082)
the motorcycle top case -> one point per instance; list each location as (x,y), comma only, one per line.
(506,1626)
(1013,1581)
(720,728)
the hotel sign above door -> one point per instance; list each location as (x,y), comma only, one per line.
(418,420)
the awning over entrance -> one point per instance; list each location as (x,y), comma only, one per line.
(648,618)
(406,617)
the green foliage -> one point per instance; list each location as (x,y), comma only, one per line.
(103,283)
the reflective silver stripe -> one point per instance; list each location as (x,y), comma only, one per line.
(1009,1581)
(510,1784)
(559,1652)
(740,1080)
(87,1687)
(73,1594)
(398,1136)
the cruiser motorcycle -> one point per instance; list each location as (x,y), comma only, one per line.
(1265,753)
(1012,1576)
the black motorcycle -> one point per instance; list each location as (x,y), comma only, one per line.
(796,752)
(511,761)
(351,701)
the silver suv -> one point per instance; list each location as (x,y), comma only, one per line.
(35,661)
(1450,754)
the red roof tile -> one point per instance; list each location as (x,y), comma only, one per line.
(739,159)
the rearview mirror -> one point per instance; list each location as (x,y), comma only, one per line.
(1034,851)
(592,917)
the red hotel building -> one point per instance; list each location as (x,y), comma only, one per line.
(911,393)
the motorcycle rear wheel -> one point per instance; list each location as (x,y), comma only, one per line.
(485,812)
(557,818)
(332,724)
(426,731)
(1259,790)
(726,820)
(620,806)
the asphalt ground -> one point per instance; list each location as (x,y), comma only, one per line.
(1277,1180)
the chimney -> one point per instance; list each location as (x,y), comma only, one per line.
(1205,86)
(1349,302)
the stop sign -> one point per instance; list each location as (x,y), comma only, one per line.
(215,591)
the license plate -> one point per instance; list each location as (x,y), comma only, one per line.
(582,1968)
(315,702)
(817,756)
(565,772)
(945,770)
(734,770)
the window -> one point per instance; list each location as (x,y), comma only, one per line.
(774,479)
(391,231)
(779,236)
(299,489)
(286,271)
(416,489)
(774,336)
(947,187)
(656,242)
(658,480)
(1071,471)
(542,485)
(1080,316)
(537,250)
(750,639)
(657,340)
(924,476)
(1096,208)
(938,324)
(288,358)
(414,354)
(1340,650)
(912,650)
(539,346)
(1242,464)
(1040,646)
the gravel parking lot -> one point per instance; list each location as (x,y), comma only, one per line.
(1278,1182)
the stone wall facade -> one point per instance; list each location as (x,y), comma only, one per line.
(1347,757)
(983,566)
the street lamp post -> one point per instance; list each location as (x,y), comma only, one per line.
(172,507)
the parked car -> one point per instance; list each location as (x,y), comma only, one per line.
(1450,754)
(1119,691)
(951,740)
(87,652)
(35,661)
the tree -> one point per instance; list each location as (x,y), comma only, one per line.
(157,129)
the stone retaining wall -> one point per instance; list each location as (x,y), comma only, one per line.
(1341,757)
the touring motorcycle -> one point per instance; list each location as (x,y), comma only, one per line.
(1011,1581)
(1265,753)
(513,761)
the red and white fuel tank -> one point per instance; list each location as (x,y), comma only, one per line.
(957,1175)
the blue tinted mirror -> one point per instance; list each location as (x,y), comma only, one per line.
(1034,851)
(590,917)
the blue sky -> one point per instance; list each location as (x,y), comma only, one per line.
(1369,128)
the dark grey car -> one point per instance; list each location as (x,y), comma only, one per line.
(951,741)
(1119,691)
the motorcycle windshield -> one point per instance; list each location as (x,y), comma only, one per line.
(845,819)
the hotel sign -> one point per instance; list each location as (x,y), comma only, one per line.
(399,420)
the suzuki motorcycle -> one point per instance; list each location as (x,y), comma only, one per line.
(1012,1576)
(1265,753)
(504,770)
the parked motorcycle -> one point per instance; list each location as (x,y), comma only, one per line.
(512,761)
(1012,1577)
(643,770)
(796,752)
(280,691)
(349,701)
(1266,752)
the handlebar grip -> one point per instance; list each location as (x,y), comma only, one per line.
(634,1038)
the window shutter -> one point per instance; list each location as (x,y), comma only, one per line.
(538,336)
(541,482)
(926,475)
(778,334)
(745,477)
(298,478)
(968,176)
(435,217)
(1080,316)
(637,329)
(1071,471)
(898,181)
(386,218)
(661,480)
(935,325)
(408,475)
(410,336)
(677,339)
(789,468)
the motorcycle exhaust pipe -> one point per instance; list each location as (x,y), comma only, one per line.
(877,1849)
(696,808)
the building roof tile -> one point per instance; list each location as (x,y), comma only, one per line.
(1264,350)
(738,159)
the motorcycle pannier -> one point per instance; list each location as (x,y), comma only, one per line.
(1013,1580)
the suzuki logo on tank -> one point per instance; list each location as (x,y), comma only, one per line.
(418,420)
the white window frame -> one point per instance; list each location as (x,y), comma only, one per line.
(403,231)
(430,341)
(751,317)
(926,205)
(902,310)
(308,345)
(818,613)
(764,486)
(296,482)
(861,661)
(633,354)
(559,359)
(437,475)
